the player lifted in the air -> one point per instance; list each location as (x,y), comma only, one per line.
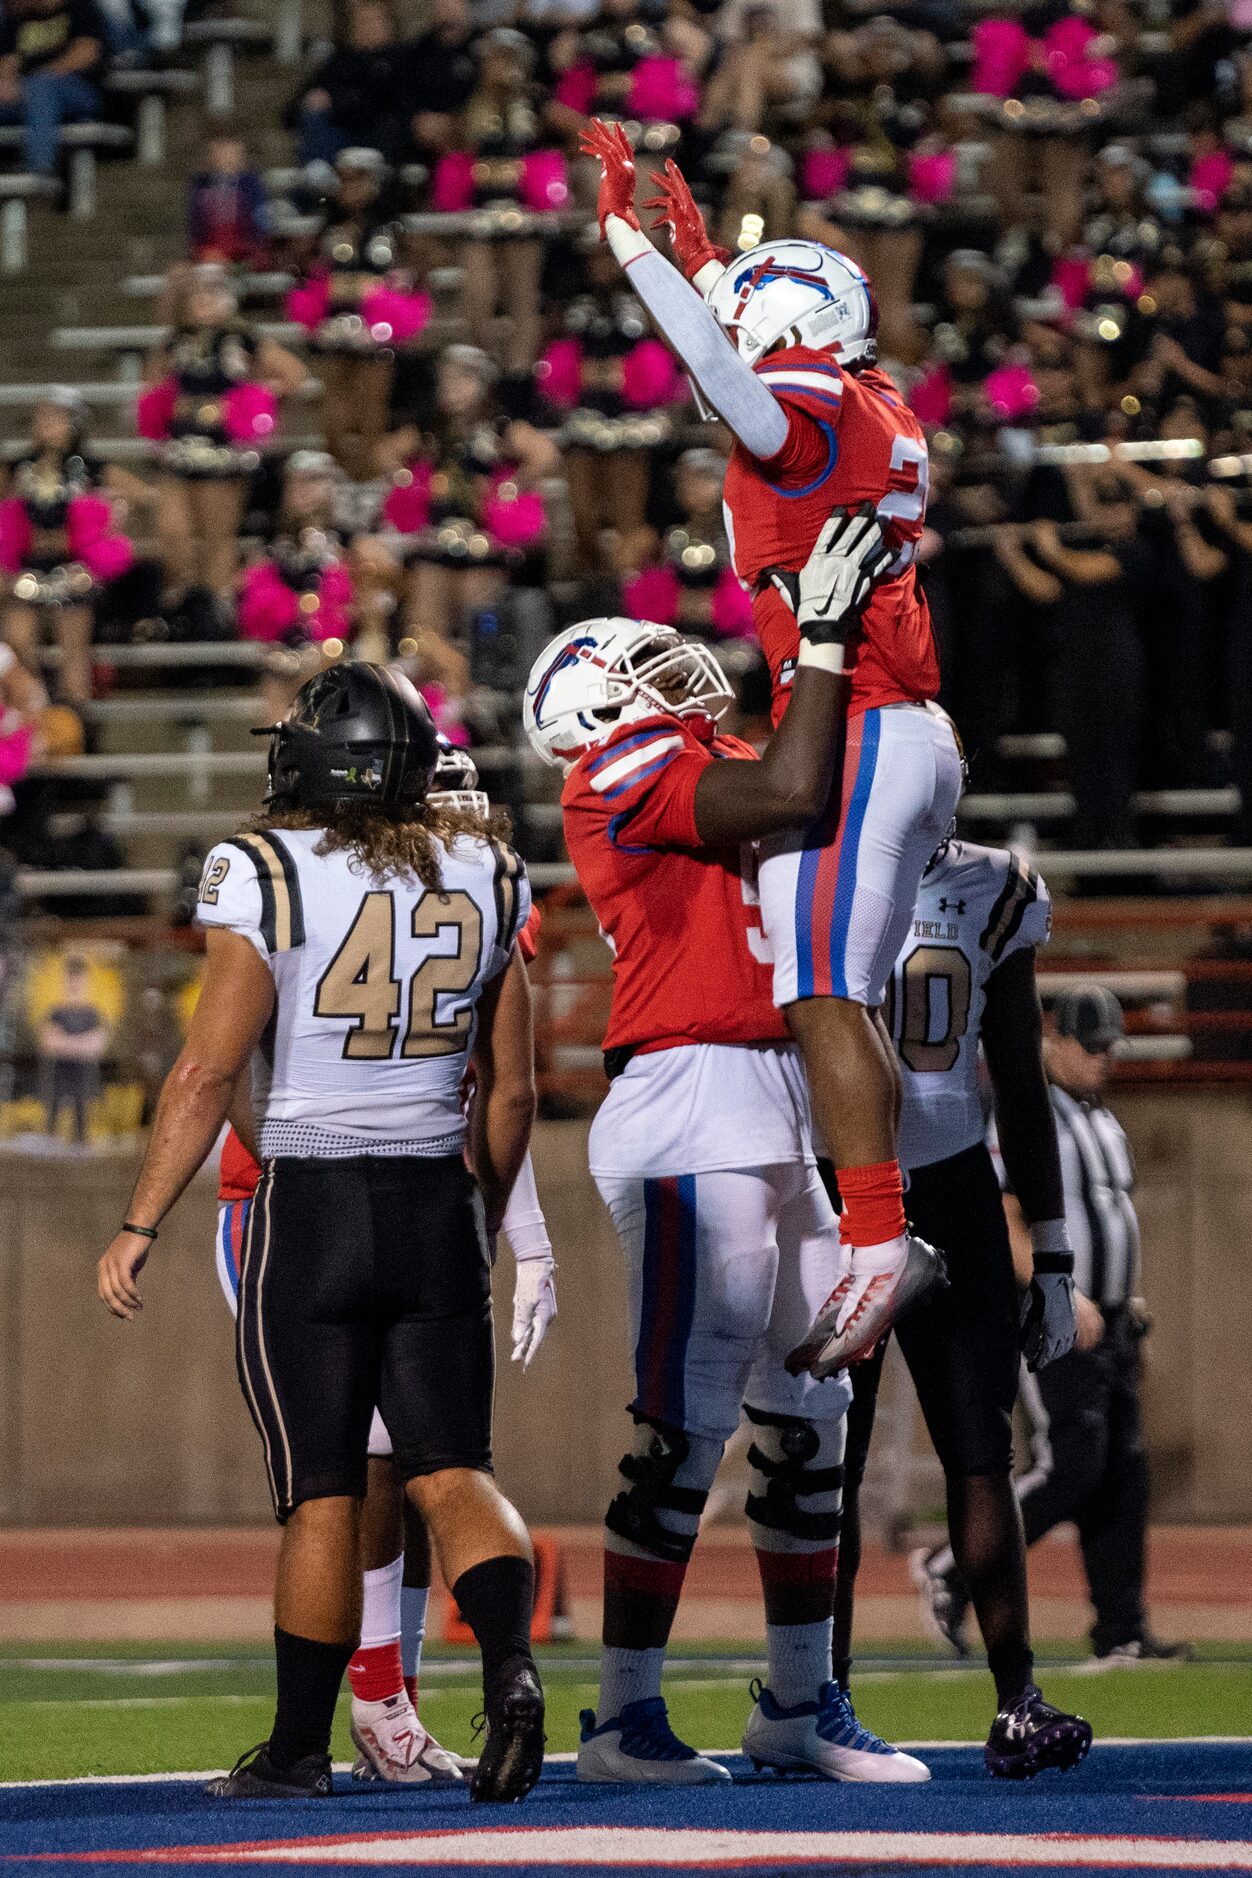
(780,344)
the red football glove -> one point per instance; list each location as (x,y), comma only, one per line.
(680,216)
(609,144)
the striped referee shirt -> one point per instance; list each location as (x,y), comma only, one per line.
(1099,1178)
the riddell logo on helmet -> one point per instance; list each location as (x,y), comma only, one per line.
(834,315)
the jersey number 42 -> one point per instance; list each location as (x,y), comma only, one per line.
(361,984)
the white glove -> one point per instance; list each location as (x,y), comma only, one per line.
(829,593)
(1049,1325)
(534,1306)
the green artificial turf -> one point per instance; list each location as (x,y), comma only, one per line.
(74,1709)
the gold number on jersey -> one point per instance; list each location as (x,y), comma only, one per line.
(359,983)
(429,1034)
(928,966)
(214,874)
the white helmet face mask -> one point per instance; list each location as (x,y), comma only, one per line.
(455,783)
(799,291)
(604,673)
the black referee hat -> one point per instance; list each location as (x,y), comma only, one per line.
(1091,1015)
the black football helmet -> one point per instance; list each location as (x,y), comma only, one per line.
(356,733)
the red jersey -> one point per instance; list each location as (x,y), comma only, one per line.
(683,921)
(851,438)
(528,936)
(239,1172)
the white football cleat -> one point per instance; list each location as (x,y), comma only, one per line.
(824,1737)
(392,1745)
(640,1745)
(862,1308)
(942,1598)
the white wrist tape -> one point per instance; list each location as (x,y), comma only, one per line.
(822,658)
(523,1221)
(626,242)
(706,278)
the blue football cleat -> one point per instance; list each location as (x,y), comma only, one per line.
(640,1745)
(824,1737)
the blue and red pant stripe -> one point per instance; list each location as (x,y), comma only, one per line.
(826,880)
(233,1229)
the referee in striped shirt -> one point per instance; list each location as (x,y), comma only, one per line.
(1089,1461)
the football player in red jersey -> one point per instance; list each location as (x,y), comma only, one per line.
(701,1152)
(780,343)
(392,1743)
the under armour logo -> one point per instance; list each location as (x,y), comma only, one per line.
(952,906)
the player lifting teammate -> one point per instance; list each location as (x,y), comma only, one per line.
(780,344)
(367,941)
(702,1154)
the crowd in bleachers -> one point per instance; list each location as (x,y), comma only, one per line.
(461,432)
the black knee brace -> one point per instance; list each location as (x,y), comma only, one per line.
(789,1479)
(650,1490)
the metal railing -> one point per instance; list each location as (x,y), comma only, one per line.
(1053,805)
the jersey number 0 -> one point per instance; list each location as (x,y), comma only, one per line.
(360,982)
(929,1039)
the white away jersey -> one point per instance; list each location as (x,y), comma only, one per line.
(975,906)
(377,984)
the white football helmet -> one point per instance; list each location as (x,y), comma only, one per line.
(800,291)
(603,673)
(454,784)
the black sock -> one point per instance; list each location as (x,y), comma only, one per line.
(309,1675)
(841,1672)
(1013,1666)
(497,1600)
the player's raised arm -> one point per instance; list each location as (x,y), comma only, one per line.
(791,784)
(235,1005)
(728,383)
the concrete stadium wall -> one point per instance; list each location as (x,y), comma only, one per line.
(112,1424)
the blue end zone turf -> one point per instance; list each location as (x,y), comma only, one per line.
(1161,1806)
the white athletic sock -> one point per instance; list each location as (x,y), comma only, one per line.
(868,1260)
(414,1600)
(627,1676)
(380,1607)
(799,1660)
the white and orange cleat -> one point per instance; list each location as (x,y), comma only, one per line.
(392,1745)
(863,1306)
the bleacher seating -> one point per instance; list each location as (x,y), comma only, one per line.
(149,95)
(84,144)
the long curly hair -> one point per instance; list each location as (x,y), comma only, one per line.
(405,843)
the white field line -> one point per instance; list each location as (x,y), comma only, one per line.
(641,1848)
(445,1668)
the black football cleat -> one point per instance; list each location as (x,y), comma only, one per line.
(512,1757)
(255,1777)
(1032,1736)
